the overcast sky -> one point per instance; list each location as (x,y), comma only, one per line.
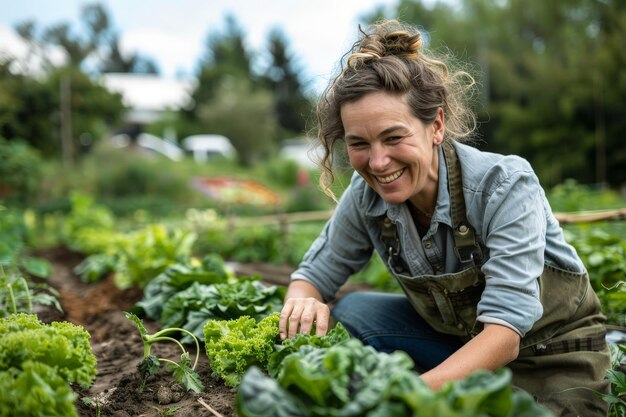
(174,32)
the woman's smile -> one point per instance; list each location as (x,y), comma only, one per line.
(389,178)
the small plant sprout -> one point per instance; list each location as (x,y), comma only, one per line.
(10,286)
(183,371)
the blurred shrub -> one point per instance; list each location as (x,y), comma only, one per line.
(604,256)
(20,172)
(283,172)
(306,198)
(570,196)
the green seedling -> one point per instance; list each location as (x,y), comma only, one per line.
(183,371)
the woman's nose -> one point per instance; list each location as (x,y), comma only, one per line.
(378,158)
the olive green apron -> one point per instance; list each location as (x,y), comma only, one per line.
(562,359)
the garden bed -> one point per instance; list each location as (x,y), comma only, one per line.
(118,348)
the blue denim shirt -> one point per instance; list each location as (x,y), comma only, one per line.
(505,204)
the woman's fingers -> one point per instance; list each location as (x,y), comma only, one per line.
(299,315)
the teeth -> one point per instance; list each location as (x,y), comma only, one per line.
(389,178)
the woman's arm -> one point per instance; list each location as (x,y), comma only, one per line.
(303,307)
(491,349)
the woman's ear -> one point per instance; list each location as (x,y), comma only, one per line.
(439,127)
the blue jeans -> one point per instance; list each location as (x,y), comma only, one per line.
(388,322)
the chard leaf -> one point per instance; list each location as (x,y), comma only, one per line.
(483,392)
(524,405)
(261,396)
(184,374)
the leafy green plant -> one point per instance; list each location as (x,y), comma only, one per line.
(17,296)
(604,256)
(178,277)
(20,172)
(61,345)
(235,345)
(349,379)
(17,293)
(571,196)
(13,253)
(336,335)
(148,252)
(89,227)
(243,296)
(183,371)
(616,398)
(38,362)
(137,257)
(35,389)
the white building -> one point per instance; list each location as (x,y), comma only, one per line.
(148,96)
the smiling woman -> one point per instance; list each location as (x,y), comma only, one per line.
(488,278)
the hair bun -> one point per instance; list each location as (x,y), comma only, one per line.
(387,39)
(402,44)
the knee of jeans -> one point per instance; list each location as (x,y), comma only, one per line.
(344,304)
(350,307)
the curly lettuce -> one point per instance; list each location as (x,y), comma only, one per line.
(235,345)
(198,304)
(35,390)
(61,345)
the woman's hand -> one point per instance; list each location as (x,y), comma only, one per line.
(303,308)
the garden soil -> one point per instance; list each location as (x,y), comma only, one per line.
(117,345)
(118,348)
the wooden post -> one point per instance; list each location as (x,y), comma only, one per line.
(67,141)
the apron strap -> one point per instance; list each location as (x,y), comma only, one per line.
(466,247)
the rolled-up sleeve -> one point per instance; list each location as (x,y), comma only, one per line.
(342,248)
(515,235)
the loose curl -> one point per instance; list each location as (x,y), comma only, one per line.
(389,56)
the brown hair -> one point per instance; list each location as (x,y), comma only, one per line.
(388,56)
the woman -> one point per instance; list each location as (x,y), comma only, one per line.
(488,279)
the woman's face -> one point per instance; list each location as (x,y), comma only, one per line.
(391,149)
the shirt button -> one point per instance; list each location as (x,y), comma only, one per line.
(428,245)
(459,326)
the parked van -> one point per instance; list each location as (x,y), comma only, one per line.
(204,147)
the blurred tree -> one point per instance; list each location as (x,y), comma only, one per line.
(230,99)
(244,115)
(30,109)
(551,76)
(97,47)
(226,57)
(94,109)
(282,77)
(32,104)
(116,61)
(27,109)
